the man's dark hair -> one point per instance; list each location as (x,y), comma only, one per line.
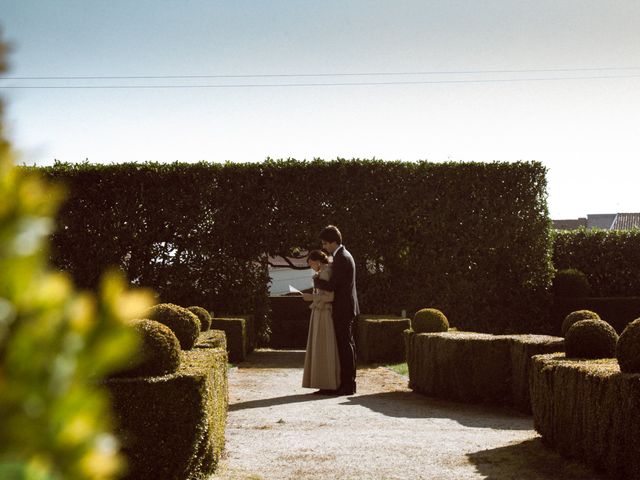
(331,233)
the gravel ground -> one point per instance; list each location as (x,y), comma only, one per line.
(279,430)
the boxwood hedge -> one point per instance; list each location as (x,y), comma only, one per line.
(471,238)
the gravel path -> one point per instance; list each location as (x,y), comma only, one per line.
(278,430)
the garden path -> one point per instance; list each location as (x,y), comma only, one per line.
(279,430)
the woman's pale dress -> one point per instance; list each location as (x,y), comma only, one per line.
(321,362)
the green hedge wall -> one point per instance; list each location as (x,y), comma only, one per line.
(172,427)
(609,259)
(588,410)
(472,239)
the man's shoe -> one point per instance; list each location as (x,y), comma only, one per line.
(345,391)
(324,391)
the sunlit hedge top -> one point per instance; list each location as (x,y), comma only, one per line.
(469,238)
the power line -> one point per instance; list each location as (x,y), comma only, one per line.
(329,84)
(302,75)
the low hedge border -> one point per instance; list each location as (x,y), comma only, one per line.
(616,311)
(475,367)
(588,410)
(172,427)
(379,338)
(236,333)
(250,326)
(212,339)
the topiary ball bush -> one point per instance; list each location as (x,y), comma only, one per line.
(591,339)
(576,316)
(203,316)
(571,282)
(184,323)
(159,352)
(628,348)
(429,320)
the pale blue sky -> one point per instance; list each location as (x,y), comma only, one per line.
(587,132)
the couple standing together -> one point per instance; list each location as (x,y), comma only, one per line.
(330,360)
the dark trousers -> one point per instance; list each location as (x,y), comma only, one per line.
(346,351)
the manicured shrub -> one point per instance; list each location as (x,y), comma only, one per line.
(498,372)
(429,320)
(591,339)
(250,327)
(159,352)
(203,316)
(212,339)
(619,311)
(571,282)
(236,332)
(184,324)
(172,427)
(576,316)
(628,348)
(587,411)
(379,338)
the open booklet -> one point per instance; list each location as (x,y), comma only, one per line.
(294,290)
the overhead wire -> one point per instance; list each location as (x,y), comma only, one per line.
(323,75)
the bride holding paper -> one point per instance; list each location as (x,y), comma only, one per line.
(321,363)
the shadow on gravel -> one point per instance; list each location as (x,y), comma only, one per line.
(413,405)
(270,402)
(529,460)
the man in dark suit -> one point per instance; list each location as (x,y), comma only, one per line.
(345,305)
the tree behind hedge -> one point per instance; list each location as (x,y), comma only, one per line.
(471,239)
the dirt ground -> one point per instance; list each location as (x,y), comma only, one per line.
(279,430)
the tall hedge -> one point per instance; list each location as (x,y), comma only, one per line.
(609,259)
(472,239)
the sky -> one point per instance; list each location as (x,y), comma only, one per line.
(496,80)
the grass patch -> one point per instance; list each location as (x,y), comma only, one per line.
(401,368)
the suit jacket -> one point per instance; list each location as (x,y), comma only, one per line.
(343,285)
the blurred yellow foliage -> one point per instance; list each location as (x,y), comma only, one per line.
(55,344)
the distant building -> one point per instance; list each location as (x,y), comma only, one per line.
(569,224)
(604,221)
(289,271)
(626,221)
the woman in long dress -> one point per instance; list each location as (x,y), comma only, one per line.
(321,362)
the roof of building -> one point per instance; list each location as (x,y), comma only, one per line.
(569,224)
(601,220)
(605,221)
(626,221)
(281,262)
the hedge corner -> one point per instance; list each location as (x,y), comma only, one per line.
(379,338)
(588,410)
(172,427)
(236,332)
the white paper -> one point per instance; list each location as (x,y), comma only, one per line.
(294,290)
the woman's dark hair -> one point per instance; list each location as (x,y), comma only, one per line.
(318,256)
(331,233)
